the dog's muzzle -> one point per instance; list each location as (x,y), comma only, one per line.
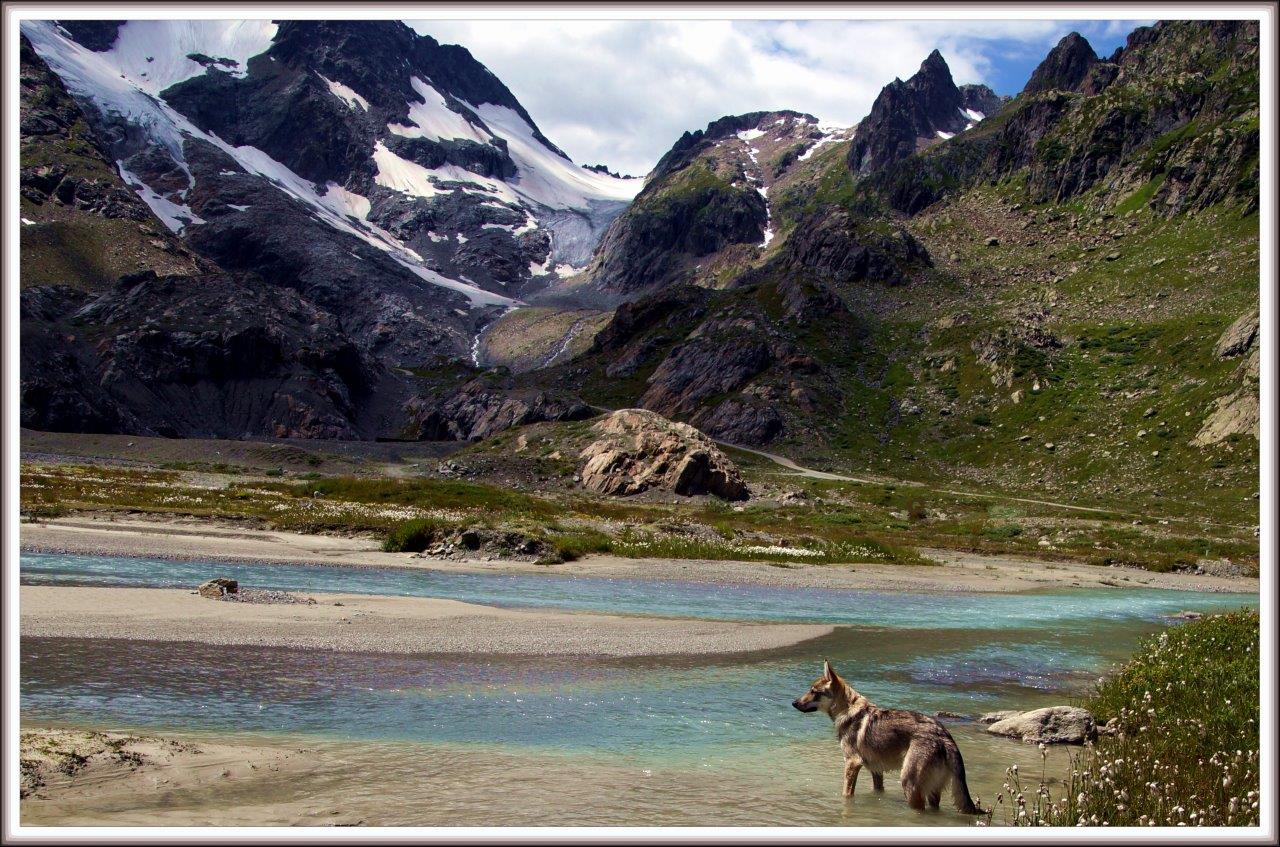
(805,707)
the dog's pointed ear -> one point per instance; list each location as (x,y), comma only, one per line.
(828,671)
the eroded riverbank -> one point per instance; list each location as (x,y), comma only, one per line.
(954,571)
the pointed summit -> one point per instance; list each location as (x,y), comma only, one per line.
(934,64)
(909,115)
(1066,66)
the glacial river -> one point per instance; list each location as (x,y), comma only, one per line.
(527,740)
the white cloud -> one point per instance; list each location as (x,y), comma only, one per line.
(621,92)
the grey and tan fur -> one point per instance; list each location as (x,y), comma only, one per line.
(890,739)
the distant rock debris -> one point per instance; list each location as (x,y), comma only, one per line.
(640,450)
(218,587)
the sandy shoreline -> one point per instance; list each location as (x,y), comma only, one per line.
(378,624)
(957,571)
(82,777)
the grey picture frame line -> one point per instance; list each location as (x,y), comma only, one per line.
(708,572)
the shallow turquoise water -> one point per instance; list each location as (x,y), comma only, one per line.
(960,653)
(1081,608)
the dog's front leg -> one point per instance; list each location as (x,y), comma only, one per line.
(852,765)
(877,781)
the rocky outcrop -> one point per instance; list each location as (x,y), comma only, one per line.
(1239,412)
(96,35)
(908,116)
(1050,725)
(843,248)
(82,225)
(993,717)
(1065,68)
(721,356)
(478,411)
(693,213)
(704,214)
(210,356)
(981,99)
(1239,337)
(638,450)
(1147,117)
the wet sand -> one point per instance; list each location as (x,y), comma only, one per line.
(238,780)
(377,624)
(956,571)
(79,777)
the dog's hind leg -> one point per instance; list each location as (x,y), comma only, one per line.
(935,797)
(851,767)
(877,781)
(914,768)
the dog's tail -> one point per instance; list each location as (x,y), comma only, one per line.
(959,787)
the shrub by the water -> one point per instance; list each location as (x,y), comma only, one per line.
(1186,749)
(414,536)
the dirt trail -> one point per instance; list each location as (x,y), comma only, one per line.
(810,473)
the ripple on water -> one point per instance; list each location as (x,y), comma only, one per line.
(439,739)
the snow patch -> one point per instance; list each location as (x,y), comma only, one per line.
(546,177)
(768,236)
(175,216)
(946,135)
(115,83)
(432,118)
(972,114)
(750,134)
(346,202)
(568,270)
(345,94)
(237,207)
(402,175)
(152,55)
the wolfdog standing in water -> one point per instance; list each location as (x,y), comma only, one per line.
(890,739)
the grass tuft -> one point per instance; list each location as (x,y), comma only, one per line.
(1186,749)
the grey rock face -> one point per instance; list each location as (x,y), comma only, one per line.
(909,115)
(1050,725)
(638,450)
(1066,66)
(209,356)
(1239,337)
(477,411)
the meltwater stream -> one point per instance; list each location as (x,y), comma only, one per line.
(670,740)
(1082,608)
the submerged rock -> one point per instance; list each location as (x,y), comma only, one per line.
(1050,725)
(639,450)
(992,717)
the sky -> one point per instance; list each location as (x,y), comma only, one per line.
(620,92)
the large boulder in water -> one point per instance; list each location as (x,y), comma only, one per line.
(638,450)
(1050,725)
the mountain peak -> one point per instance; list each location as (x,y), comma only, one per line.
(1066,66)
(934,63)
(912,114)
